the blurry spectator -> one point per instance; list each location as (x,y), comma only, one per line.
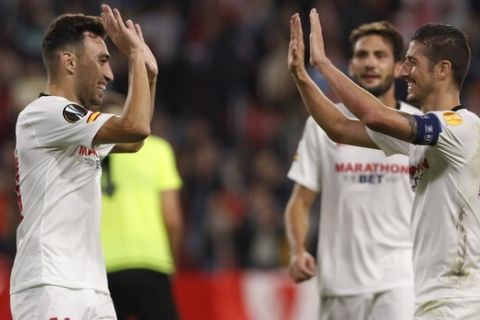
(141,226)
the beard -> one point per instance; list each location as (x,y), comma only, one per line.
(379,90)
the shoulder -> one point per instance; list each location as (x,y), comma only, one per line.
(457,118)
(47,105)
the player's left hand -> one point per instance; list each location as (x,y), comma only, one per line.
(317,45)
(150,60)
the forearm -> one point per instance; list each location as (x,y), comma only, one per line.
(153,89)
(359,101)
(322,109)
(297,225)
(137,110)
(175,237)
(172,217)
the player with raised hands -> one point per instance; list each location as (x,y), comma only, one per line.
(59,270)
(442,147)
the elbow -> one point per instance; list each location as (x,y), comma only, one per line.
(138,133)
(336,131)
(334,136)
(137,146)
(372,120)
(143,133)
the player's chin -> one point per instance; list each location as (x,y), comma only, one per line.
(412,98)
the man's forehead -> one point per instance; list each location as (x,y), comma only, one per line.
(94,41)
(373,42)
(415,48)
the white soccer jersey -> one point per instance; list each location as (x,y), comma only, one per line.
(446,209)
(58,185)
(364,237)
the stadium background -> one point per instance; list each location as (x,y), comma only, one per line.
(227,104)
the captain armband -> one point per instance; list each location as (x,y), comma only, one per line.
(428,129)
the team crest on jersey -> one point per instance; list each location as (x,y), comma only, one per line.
(73,112)
(452,118)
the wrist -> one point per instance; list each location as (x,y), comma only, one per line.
(152,79)
(297,252)
(322,64)
(300,75)
(135,54)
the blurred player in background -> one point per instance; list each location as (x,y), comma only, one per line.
(443,148)
(59,270)
(141,226)
(364,247)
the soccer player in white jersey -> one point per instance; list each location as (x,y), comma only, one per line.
(364,248)
(443,147)
(59,271)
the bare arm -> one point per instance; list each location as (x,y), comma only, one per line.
(134,123)
(338,127)
(127,147)
(364,105)
(302,264)
(172,215)
(152,69)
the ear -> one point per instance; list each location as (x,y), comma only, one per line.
(443,69)
(69,61)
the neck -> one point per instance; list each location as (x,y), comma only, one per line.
(388,98)
(442,100)
(62,88)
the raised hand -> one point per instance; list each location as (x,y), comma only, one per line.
(150,60)
(317,46)
(296,48)
(123,35)
(302,267)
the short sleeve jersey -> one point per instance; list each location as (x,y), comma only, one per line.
(446,209)
(364,243)
(134,234)
(58,190)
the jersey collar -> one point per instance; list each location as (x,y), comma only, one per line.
(460,106)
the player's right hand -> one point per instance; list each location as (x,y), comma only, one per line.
(123,35)
(302,267)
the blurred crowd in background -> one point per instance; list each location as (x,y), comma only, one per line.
(225,100)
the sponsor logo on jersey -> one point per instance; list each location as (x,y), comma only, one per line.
(371,167)
(73,112)
(90,156)
(93,116)
(452,118)
(371,173)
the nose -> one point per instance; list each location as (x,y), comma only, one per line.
(370,61)
(108,73)
(404,70)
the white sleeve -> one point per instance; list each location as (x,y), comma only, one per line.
(388,144)
(104,149)
(62,123)
(306,165)
(459,134)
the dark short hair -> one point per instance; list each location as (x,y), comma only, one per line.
(67,30)
(446,42)
(384,29)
